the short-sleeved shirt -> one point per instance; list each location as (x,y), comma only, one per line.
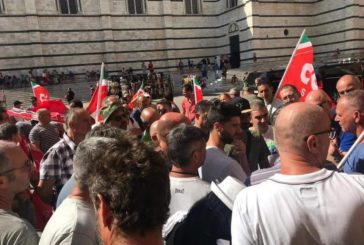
(45,136)
(14,230)
(355,161)
(57,163)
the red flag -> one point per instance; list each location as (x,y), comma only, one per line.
(98,96)
(197,90)
(40,92)
(300,72)
(55,105)
(136,95)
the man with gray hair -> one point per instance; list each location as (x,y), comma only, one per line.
(350,115)
(304,202)
(14,178)
(56,166)
(74,221)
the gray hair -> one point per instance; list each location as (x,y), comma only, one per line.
(256,104)
(355,99)
(71,116)
(88,152)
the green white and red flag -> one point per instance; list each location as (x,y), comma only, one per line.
(197,90)
(138,93)
(300,71)
(98,96)
(40,92)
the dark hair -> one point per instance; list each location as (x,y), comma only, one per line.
(76,104)
(7,131)
(180,143)
(105,130)
(203,106)
(188,87)
(264,81)
(169,96)
(2,110)
(16,103)
(221,112)
(133,180)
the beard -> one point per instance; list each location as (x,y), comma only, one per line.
(226,138)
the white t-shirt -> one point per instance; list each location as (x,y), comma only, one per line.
(185,192)
(323,207)
(74,222)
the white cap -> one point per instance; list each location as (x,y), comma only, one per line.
(227,190)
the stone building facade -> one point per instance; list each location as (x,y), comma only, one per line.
(77,35)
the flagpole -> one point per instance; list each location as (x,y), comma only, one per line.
(290,60)
(356,143)
(194,88)
(99,92)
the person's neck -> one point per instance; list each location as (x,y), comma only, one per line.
(80,194)
(297,164)
(269,101)
(215,141)
(75,138)
(359,131)
(6,201)
(43,124)
(185,172)
(151,238)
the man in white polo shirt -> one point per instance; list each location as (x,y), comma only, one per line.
(304,203)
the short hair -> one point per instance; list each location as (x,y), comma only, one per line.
(7,131)
(76,104)
(180,143)
(290,86)
(260,80)
(221,112)
(133,180)
(71,115)
(235,91)
(188,87)
(203,106)
(256,104)
(164,102)
(105,130)
(17,103)
(355,99)
(265,82)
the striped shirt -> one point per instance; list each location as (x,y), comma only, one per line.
(44,136)
(57,163)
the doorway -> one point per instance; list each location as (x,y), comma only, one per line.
(234,51)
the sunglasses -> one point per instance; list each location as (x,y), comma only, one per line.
(331,132)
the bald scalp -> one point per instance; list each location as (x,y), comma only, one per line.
(149,114)
(349,80)
(8,150)
(317,96)
(175,117)
(294,123)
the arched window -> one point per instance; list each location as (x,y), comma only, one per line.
(69,6)
(136,6)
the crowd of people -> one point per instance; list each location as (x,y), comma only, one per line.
(243,168)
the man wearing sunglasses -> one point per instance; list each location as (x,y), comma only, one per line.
(350,115)
(14,178)
(304,203)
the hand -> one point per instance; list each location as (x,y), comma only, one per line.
(239,147)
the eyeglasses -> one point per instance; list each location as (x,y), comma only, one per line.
(343,92)
(331,132)
(27,164)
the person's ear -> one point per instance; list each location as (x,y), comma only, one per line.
(313,144)
(357,117)
(218,127)
(105,214)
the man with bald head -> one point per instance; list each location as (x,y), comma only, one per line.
(14,178)
(304,202)
(350,115)
(348,83)
(148,116)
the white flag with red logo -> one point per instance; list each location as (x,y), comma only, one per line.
(197,90)
(40,92)
(300,72)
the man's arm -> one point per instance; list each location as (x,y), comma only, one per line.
(45,190)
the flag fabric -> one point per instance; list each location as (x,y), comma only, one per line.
(197,90)
(98,96)
(136,95)
(30,115)
(300,71)
(44,101)
(40,92)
